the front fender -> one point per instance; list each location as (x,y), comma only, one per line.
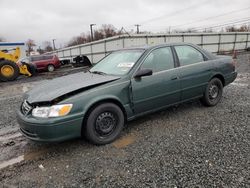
(118,93)
(100,99)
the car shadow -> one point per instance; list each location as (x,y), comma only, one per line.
(36,150)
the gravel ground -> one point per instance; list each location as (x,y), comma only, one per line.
(184,146)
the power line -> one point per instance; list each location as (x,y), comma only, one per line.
(208,18)
(228,23)
(173,13)
(240,23)
(224,24)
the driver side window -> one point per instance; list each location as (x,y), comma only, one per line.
(159,60)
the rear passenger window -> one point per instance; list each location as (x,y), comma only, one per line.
(41,58)
(36,58)
(159,60)
(48,57)
(188,55)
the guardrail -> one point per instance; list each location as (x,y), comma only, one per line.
(213,42)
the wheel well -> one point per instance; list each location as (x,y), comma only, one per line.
(50,64)
(114,101)
(219,76)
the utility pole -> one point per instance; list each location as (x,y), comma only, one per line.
(137,28)
(54,46)
(91,31)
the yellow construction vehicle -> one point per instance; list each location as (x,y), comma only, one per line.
(10,68)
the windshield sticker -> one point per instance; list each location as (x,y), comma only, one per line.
(125,65)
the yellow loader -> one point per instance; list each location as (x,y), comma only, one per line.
(10,69)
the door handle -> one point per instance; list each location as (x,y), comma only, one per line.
(174,78)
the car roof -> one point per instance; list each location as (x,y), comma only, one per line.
(208,54)
(155,46)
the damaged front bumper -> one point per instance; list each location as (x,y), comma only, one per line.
(50,129)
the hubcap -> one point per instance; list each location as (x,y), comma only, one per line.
(7,70)
(213,91)
(51,68)
(105,123)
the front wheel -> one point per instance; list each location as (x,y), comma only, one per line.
(104,124)
(9,70)
(213,92)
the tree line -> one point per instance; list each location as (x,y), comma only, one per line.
(105,31)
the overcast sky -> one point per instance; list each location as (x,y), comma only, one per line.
(44,20)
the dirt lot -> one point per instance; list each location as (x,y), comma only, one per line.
(184,146)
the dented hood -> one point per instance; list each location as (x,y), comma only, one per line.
(64,85)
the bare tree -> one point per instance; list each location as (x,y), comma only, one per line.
(108,30)
(47,46)
(40,50)
(98,35)
(81,39)
(190,30)
(231,29)
(30,43)
(244,28)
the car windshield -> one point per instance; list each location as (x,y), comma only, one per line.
(117,63)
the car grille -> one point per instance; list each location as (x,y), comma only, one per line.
(26,108)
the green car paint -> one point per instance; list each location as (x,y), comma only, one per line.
(136,96)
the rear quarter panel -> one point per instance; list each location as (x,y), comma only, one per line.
(223,65)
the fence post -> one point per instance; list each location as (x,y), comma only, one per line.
(70,53)
(218,51)
(105,48)
(202,40)
(247,40)
(182,37)
(123,42)
(147,40)
(91,52)
(235,38)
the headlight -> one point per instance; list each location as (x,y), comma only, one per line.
(53,111)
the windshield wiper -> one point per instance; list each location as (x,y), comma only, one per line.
(98,72)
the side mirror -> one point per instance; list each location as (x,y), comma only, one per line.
(143,72)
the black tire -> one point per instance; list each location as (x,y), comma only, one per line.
(32,69)
(50,68)
(104,124)
(213,92)
(15,70)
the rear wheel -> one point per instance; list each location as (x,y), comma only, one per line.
(213,93)
(8,70)
(51,68)
(104,124)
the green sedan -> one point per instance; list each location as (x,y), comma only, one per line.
(124,85)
